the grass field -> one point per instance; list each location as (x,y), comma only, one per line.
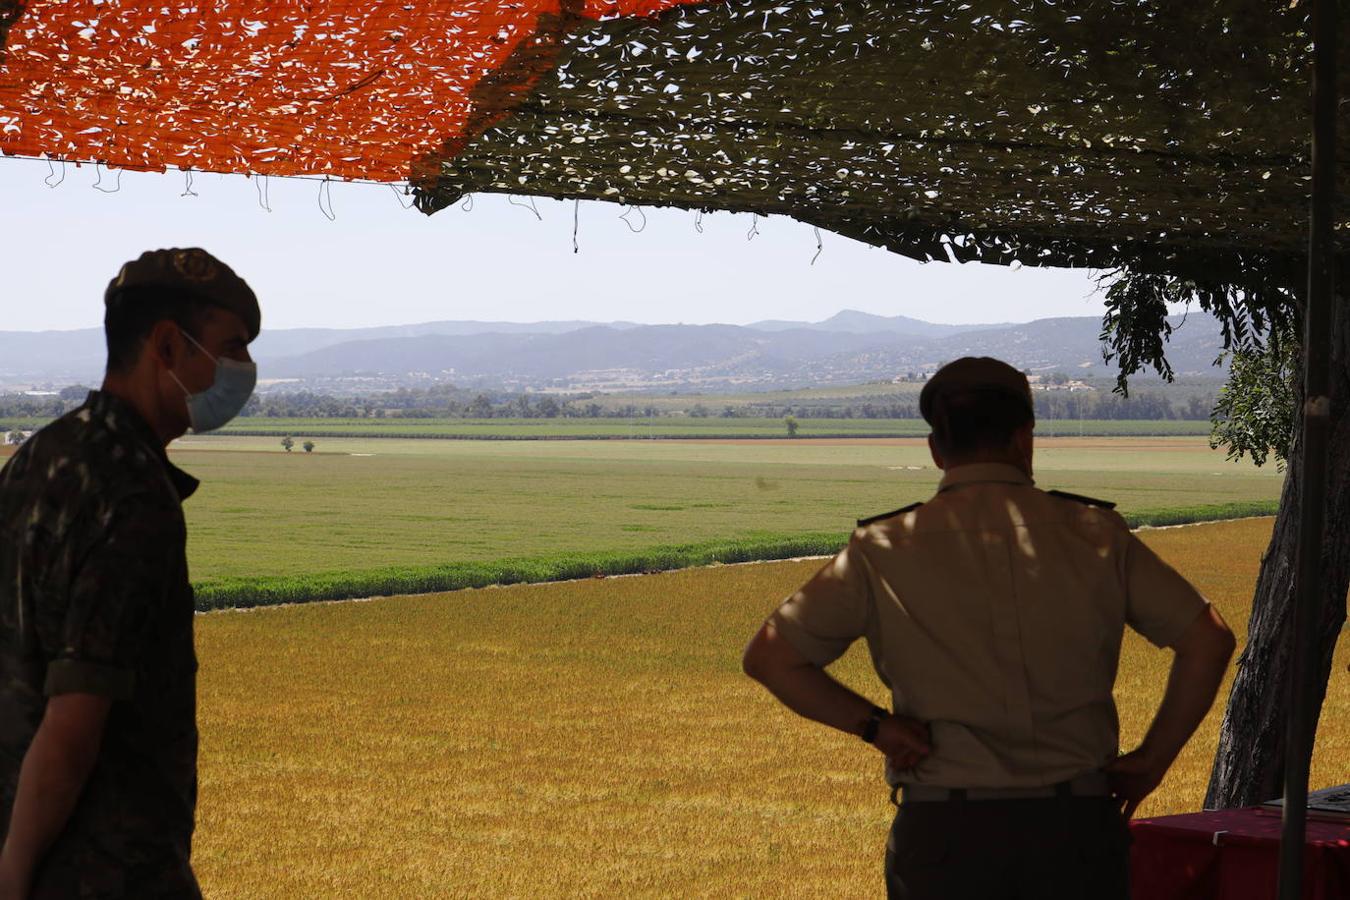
(586,739)
(1178,392)
(668,427)
(395,508)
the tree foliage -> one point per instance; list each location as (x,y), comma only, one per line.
(1255,412)
(1254,303)
(1258,305)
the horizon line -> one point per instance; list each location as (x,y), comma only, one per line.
(600,323)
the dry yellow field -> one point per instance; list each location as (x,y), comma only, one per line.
(583,739)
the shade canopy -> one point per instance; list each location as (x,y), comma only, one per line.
(1173,136)
(347,88)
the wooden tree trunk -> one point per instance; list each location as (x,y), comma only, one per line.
(1249,763)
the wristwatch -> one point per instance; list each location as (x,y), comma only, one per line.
(873,724)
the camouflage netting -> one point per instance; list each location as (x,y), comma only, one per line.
(347,88)
(1166,136)
(1172,135)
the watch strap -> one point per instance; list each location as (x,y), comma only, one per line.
(873,724)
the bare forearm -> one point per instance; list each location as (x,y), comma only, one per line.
(50,783)
(811,692)
(51,779)
(814,694)
(1192,686)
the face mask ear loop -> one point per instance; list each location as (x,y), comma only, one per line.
(181,386)
(196,343)
(187,395)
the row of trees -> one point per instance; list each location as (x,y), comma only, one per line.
(447,401)
(408,404)
(431,403)
(450,401)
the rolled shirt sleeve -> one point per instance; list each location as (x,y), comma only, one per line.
(832,610)
(1160,604)
(116,587)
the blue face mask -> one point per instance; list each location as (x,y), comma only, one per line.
(217,405)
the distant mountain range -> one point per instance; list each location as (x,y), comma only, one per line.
(851,321)
(850,347)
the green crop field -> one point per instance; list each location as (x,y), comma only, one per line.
(668,427)
(27,423)
(1178,391)
(587,739)
(362,517)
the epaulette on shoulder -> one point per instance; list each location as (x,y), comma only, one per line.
(863,523)
(1079,498)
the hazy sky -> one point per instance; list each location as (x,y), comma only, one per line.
(379,264)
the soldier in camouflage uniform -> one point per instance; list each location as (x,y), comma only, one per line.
(98,736)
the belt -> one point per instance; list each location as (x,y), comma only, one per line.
(1089,784)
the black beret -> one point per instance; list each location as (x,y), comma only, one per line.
(974,373)
(194,272)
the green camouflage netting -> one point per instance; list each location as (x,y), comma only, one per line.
(1170,136)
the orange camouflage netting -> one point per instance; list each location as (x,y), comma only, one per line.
(348,88)
(1164,135)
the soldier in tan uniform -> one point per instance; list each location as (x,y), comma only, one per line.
(994,615)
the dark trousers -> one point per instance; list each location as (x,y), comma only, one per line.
(1072,848)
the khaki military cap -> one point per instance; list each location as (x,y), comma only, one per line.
(974,373)
(192,271)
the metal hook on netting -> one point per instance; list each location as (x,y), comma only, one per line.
(264,188)
(510,198)
(698,221)
(576,223)
(628,222)
(326,189)
(187,185)
(819,245)
(98,183)
(51,170)
(399,198)
(467,205)
(754,227)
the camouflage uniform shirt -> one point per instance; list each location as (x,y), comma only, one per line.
(94,598)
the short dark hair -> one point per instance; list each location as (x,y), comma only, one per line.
(133,312)
(967,422)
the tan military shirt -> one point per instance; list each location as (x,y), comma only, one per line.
(994,612)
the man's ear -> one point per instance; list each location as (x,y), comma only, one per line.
(933,450)
(164,344)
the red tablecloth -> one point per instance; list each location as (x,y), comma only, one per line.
(1233,855)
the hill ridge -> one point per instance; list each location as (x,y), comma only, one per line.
(849,347)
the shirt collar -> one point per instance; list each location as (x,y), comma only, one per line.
(983,473)
(122,419)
